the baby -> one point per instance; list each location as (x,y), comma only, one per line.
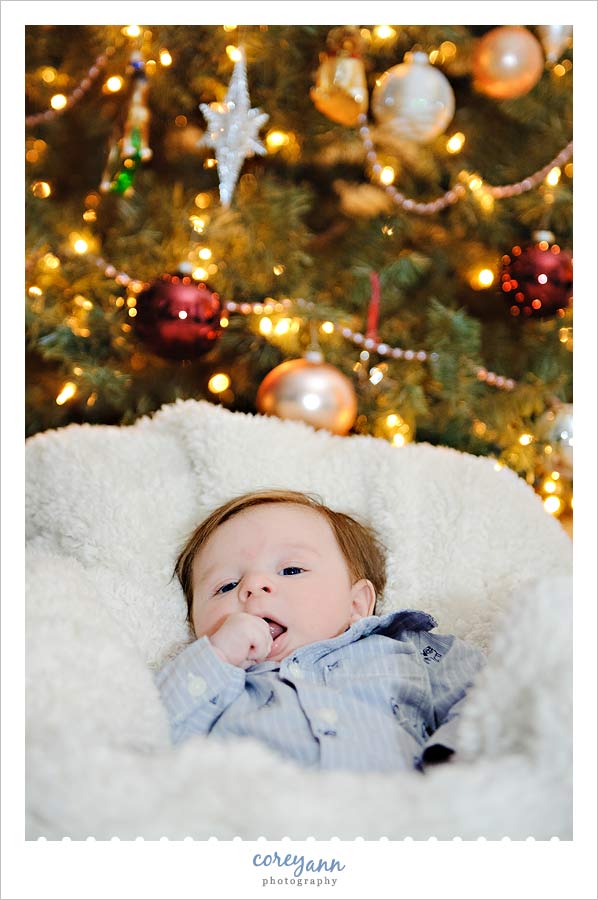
(281,593)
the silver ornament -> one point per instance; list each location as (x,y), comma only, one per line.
(232,130)
(311,391)
(414,100)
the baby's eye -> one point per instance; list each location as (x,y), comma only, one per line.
(292,570)
(227,587)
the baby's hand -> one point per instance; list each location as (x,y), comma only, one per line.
(242,640)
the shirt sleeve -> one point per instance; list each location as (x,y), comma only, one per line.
(196,687)
(451,665)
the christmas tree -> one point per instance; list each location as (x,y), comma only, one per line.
(208,204)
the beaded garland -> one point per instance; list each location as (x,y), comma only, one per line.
(355,337)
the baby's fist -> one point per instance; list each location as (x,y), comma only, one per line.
(242,640)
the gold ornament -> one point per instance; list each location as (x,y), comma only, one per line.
(507,62)
(309,390)
(341,91)
(555,39)
(414,100)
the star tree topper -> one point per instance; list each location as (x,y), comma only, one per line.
(232,130)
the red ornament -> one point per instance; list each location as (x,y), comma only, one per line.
(538,280)
(178,318)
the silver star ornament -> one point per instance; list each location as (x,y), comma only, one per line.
(232,130)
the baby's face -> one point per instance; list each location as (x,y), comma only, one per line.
(279,561)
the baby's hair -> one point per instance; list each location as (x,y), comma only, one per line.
(360,545)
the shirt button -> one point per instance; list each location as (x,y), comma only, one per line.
(295,670)
(328,715)
(196,685)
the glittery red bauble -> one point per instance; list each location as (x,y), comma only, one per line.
(538,280)
(177,318)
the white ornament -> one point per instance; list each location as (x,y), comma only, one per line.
(414,100)
(232,130)
(555,39)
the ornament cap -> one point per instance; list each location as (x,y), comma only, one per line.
(315,356)
(543,235)
(419,57)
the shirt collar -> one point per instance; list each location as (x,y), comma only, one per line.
(389,625)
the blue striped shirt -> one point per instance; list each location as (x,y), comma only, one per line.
(383,695)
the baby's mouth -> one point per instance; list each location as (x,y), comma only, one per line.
(276,629)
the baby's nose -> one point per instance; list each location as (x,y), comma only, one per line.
(255,585)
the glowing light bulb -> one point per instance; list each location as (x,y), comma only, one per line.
(80,246)
(165,57)
(114,84)
(282,326)
(327,327)
(553,177)
(58,101)
(552,505)
(526,439)
(205,253)
(265,325)
(549,486)
(199,274)
(132,31)
(485,277)
(384,32)
(387,175)
(276,139)
(456,142)
(399,440)
(218,383)
(68,390)
(233,53)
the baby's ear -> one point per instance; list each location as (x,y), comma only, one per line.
(363,599)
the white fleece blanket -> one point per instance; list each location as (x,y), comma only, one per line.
(107,510)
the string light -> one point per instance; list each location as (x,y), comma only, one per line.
(526,439)
(114,84)
(552,505)
(165,57)
(132,31)
(387,175)
(68,391)
(554,176)
(265,325)
(456,142)
(80,246)
(282,326)
(219,383)
(384,32)
(275,139)
(205,253)
(233,53)
(58,101)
